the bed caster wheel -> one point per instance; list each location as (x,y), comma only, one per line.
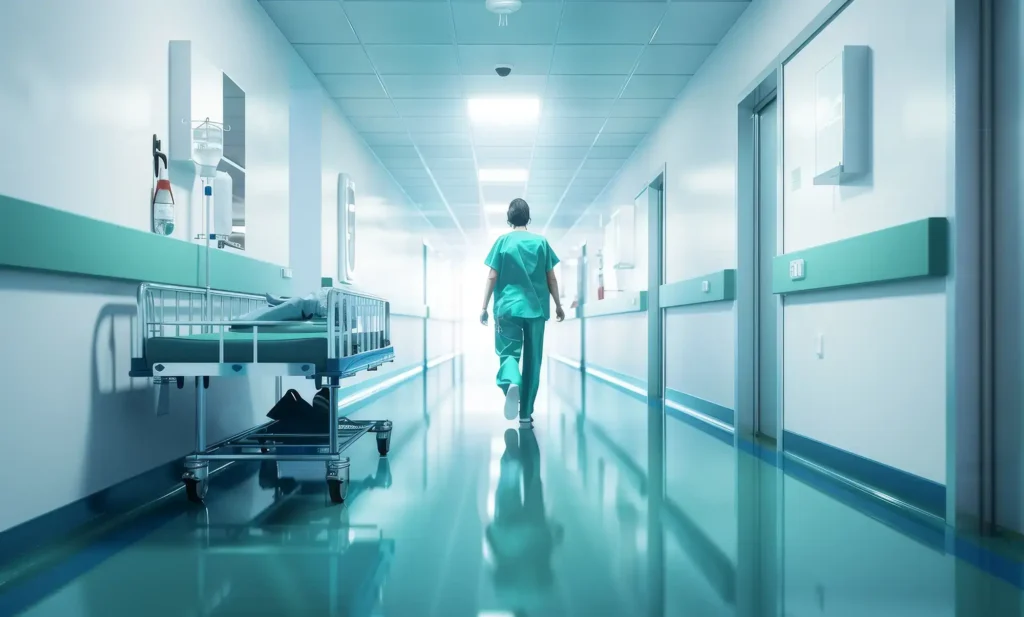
(196,490)
(338,490)
(384,438)
(338,480)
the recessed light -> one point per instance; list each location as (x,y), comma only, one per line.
(504,112)
(511,176)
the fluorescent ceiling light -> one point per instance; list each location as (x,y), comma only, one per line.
(503,175)
(496,208)
(504,112)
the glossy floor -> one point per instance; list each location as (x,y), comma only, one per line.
(469,517)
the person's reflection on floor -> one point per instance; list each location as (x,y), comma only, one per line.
(521,538)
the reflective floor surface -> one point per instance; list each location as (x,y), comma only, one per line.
(471,517)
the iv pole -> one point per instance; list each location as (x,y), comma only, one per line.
(207,152)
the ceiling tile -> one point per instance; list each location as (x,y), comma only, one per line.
(375,108)
(641,108)
(524,59)
(630,125)
(377,125)
(585,86)
(525,137)
(564,172)
(396,152)
(409,23)
(436,125)
(594,59)
(402,163)
(426,138)
(697,23)
(534,24)
(576,108)
(513,85)
(610,22)
(611,152)
(557,166)
(554,152)
(620,139)
(501,193)
(414,59)
(464,152)
(460,159)
(655,86)
(673,59)
(451,108)
(423,86)
(571,125)
(484,153)
(310,21)
(566,139)
(352,86)
(387,139)
(335,58)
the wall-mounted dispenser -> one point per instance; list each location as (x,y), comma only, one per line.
(620,238)
(163,198)
(842,122)
(346,228)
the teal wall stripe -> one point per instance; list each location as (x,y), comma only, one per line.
(630,302)
(914,250)
(721,287)
(41,238)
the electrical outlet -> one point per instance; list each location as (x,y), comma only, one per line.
(286,273)
(705,286)
(796,269)
(819,347)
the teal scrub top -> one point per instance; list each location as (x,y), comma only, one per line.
(522,260)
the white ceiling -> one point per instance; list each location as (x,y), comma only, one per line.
(401,71)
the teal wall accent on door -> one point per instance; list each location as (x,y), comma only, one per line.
(721,288)
(913,250)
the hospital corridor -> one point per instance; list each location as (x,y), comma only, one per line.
(511,308)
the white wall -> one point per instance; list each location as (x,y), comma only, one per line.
(84,87)
(881,384)
(697,144)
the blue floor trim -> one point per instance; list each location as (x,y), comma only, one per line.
(713,410)
(16,543)
(917,491)
(725,437)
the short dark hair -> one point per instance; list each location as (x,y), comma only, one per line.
(518,213)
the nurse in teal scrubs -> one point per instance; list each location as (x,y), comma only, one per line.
(521,278)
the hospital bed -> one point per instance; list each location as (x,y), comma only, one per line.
(190,332)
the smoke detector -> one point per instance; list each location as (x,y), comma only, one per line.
(503,8)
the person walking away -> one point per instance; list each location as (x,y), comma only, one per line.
(521,278)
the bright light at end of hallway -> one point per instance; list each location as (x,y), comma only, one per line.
(504,112)
(503,175)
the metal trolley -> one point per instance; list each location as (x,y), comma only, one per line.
(189,332)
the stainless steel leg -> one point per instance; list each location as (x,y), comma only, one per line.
(200,415)
(196,471)
(338,479)
(332,416)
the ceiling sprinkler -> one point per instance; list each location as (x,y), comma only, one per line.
(504,8)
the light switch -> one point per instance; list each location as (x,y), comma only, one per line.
(819,347)
(286,273)
(705,286)
(796,269)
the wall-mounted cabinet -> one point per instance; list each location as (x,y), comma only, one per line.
(842,121)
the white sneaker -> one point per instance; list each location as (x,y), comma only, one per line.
(512,402)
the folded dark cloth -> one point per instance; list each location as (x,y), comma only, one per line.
(295,415)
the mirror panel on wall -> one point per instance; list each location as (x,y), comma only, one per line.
(233,163)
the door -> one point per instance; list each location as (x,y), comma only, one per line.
(766,177)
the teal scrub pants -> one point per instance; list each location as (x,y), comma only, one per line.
(518,339)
